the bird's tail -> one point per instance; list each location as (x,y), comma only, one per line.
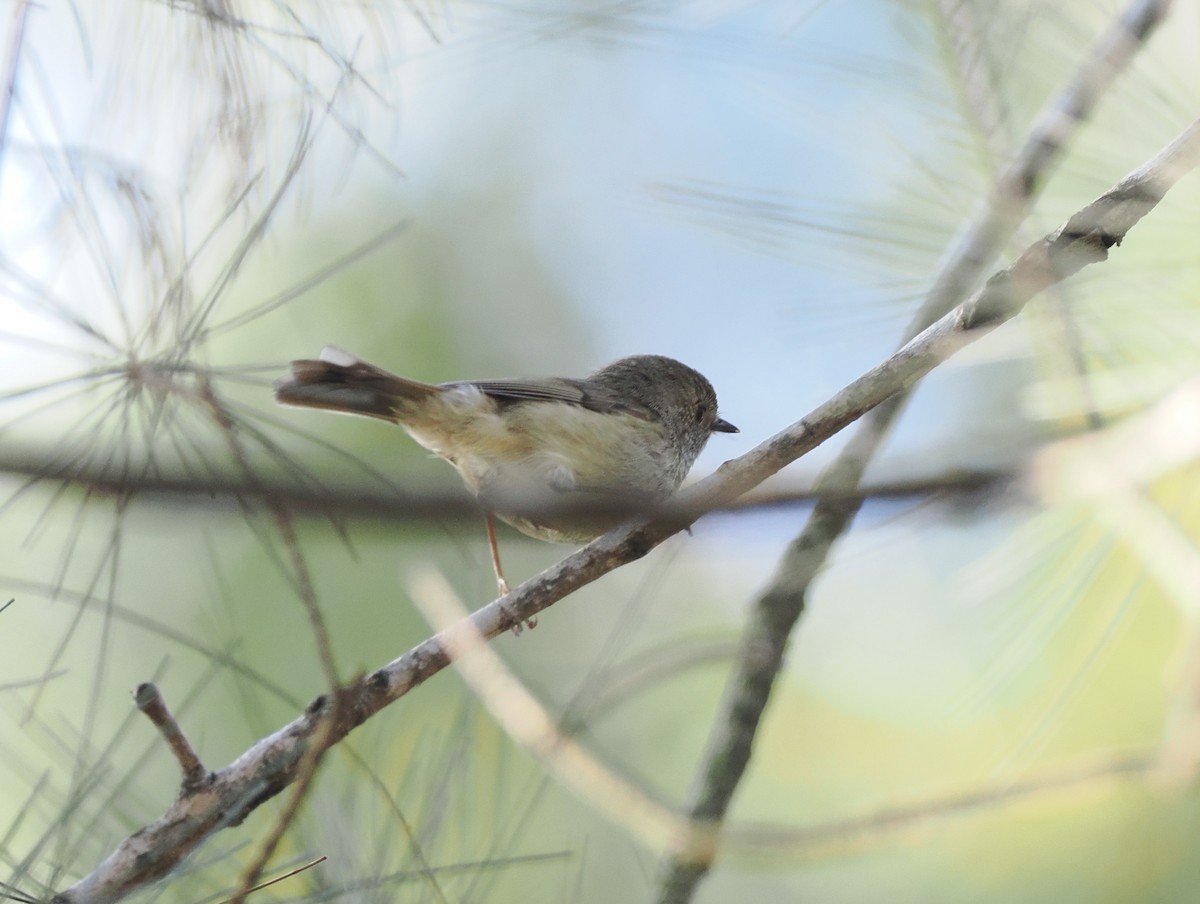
(340,382)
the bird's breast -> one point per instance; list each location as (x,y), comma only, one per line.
(541,465)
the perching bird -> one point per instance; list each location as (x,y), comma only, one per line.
(560,459)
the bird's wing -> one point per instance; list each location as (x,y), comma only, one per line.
(560,389)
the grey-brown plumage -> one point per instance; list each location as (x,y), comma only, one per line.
(560,459)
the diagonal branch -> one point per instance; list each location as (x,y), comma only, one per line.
(779,608)
(276,761)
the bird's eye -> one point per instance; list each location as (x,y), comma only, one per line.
(700,412)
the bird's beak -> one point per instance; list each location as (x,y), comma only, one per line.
(720,425)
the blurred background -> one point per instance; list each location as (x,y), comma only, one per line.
(992,691)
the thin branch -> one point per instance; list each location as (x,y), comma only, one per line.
(778,609)
(1018,186)
(775,843)
(280,878)
(276,761)
(396,504)
(150,701)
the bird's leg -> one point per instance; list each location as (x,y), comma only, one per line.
(501,584)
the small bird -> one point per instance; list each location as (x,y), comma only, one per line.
(559,459)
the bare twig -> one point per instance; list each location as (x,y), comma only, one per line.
(277,760)
(776,612)
(445,506)
(150,701)
(1020,183)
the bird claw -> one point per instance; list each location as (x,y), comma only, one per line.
(518,628)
